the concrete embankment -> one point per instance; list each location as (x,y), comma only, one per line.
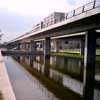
(5,85)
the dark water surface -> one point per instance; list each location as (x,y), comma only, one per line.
(24,85)
(66,71)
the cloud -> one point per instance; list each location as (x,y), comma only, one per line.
(33,7)
(71,2)
(13,24)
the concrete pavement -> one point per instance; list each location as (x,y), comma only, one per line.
(5,85)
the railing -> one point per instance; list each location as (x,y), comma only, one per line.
(84,8)
(89,6)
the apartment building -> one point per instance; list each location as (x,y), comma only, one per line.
(53,18)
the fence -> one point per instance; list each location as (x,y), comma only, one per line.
(84,8)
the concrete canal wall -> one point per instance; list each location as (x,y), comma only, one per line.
(5,85)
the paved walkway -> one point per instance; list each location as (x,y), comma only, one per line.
(5,85)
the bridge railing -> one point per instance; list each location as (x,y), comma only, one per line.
(82,9)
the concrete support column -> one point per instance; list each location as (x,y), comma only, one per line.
(47,46)
(57,45)
(24,46)
(31,60)
(27,46)
(46,65)
(89,65)
(23,58)
(18,58)
(33,51)
(43,45)
(82,47)
(33,46)
(18,46)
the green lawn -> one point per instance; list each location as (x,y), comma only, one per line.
(77,50)
(68,55)
(78,56)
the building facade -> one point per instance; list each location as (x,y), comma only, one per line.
(53,19)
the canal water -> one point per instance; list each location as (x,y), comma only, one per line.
(24,85)
(65,71)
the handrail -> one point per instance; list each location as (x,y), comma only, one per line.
(89,6)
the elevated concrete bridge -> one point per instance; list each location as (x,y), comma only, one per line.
(76,24)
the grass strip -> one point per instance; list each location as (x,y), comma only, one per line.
(77,56)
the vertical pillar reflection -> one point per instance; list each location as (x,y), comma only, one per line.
(47,48)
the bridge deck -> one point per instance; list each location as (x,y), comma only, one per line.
(64,24)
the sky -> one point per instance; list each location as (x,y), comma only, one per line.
(18,16)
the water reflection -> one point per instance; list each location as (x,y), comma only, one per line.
(69,66)
(24,85)
(96,94)
(57,71)
(66,71)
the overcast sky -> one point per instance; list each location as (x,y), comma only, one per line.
(18,16)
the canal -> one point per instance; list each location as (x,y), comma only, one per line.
(60,77)
(24,85)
